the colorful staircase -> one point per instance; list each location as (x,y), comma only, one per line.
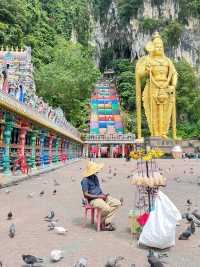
(105,110)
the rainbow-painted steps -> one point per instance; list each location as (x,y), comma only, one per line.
(105,110)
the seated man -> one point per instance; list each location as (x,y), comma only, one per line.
(93,193)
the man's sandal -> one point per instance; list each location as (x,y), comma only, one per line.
(109,227)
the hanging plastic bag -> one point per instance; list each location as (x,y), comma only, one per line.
(159,230)
(142,219)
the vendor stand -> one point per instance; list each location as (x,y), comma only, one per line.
(147,179)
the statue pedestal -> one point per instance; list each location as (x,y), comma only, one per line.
(164,144)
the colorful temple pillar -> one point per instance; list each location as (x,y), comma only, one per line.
(63,150)
(66,146)
(51,137)
(34,134)
(6,139)
(22,146)
(70,151)
(73,150)
(42,137)
(57,149)
(78,151)
(22,141)
(60,150)
(123,150)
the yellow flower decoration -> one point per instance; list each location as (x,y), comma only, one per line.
(147,157)
(136,154)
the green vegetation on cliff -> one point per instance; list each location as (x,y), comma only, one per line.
(65,72)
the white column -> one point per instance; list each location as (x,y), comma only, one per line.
(86,148)
(123,150)
(99,152)
(112,151)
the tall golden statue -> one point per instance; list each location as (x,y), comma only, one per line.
(160,89)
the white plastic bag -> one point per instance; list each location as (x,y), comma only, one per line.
(159,230)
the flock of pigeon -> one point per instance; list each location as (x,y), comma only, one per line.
(55,255)
(153,258)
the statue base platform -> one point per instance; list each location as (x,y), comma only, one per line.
(164,144)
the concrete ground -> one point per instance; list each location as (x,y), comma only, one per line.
(33,237)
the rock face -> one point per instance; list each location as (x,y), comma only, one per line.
(109,32)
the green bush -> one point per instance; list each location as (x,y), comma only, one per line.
(171,33)
(128,9)
(148,24)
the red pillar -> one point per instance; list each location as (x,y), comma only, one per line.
(22,141)
(63,150)
(51,136)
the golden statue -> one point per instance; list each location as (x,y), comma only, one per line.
(159,93)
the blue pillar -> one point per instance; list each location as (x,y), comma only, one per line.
(6,139)
(42,155)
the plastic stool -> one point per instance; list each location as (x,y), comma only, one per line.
(87,207)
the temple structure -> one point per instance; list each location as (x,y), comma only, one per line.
(32,133)
(107,136)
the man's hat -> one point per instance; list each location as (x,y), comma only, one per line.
(92,168)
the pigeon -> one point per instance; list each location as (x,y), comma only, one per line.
(114,261)
(56,255)
(31,260)
(42,193)
(60,230)
(192,227)
(189,218)
(81,263)
(54,192)
(7,191)
(10,215)
(114,174)
(196,215)
(154,261)
(189,202)
(30,195)
(121,200)
(52,225)
(195,220)
(186,234)
(177,179)
(12,230)
(72,179)
(50,216)
(56,183)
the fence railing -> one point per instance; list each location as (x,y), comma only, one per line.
(22,109)
(110,137)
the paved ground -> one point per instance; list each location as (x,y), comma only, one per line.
(32,236)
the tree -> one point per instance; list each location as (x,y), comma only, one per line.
(68,80)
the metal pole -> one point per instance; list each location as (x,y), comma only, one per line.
(147,172)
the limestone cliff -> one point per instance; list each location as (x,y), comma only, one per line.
(123,27)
